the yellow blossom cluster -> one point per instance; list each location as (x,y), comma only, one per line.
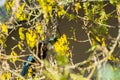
(61,10)
(31,38)
(9,4)
(3,32)
(5,76)
(39,30)
(13,57)
(20,15)
(77,6)
(4,29)
(21,34)
(46,8)
(61,46)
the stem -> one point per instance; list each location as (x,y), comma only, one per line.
(118,37)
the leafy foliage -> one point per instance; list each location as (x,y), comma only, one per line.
(37,20)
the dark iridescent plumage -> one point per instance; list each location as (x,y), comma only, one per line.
(26,65)
(41,52)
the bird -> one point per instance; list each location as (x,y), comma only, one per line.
(30,59)
(41,52)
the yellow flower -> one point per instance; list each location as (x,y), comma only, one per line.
(13,56)
(31,38)
(5,76)
(30,72)
(77,7)
(103,42)
(61,46)
(39,28)
(46,8)
(20,13)
(9,4)
(20,46)
(21,34)
(61,11)
(5,29)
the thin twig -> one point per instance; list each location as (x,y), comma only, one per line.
(16,74)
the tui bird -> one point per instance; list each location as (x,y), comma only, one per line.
(31,58)
(41,52)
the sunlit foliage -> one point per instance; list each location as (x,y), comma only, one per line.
(37,21)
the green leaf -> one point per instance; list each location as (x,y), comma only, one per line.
(92,48)
(62,60)
(77,77)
